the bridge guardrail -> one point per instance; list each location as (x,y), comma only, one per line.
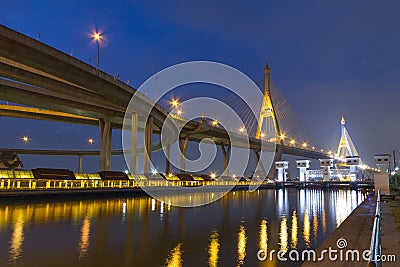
(375,246)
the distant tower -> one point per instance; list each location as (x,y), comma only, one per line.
(346,147)
(267,113)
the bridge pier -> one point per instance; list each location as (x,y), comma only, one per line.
(259,168)
(183,148)
(133,157)
(167,162)
(147,145)
(105,144)
(281,166)
(327,164)
(80,163)
(303,165)
(353,162)
(226,154)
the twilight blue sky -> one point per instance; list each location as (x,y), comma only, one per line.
(327,58)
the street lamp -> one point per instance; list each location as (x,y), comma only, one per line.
(304,145)
(90,141)
(174,103)
(97,38)
(25,139)
(292,142)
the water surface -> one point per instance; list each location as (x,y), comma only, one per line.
(140,231)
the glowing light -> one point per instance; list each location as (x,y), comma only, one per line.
(215,122)
(90,140)
(179,112)
(292,142)
(213,249)
(174,102)
(213,175)
(241,245)
(322,150)
(294,230)
(330,152)
(306,228)
(315,222)
(263,233)
(154,171)
(175,257)
(126,171)
(25,139)
(17,240)
(97,36)
(283,234)
(304,144)
(242,129)
(262,135)
(313,148)
(85,236)
(282,136)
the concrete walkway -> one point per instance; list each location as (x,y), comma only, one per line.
(356,229)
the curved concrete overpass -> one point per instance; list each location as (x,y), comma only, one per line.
(39,75)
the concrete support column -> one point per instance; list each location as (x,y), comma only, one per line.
(105,144)
(327,164)
(260,168)
(167,162)
(353,162)
(133,164)
(80,163)
(183,148)
(303,165)
(147,145)
(226,154)
(353,173)
(281,166)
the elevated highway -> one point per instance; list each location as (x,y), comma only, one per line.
(60,87)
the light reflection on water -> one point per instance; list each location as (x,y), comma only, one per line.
(295,230)
(174,258)
(213,249)
(85,235)
(152,233)
(241,246)
(283,234)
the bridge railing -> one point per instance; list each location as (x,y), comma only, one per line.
(375,247)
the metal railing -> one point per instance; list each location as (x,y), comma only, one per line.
(375,247)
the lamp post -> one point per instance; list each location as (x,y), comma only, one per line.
(97,38)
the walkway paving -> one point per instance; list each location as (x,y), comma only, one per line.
(356,229)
